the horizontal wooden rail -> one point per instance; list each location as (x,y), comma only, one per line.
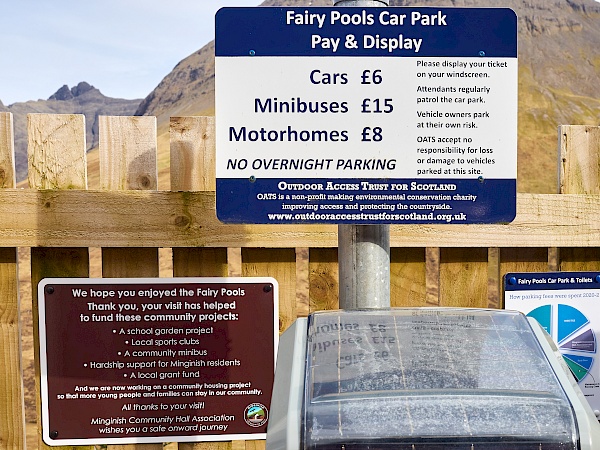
(86,218)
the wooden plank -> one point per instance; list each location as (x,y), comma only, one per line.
(580,174)
(407,277)
(579,147)
(580,259)
(193,153)
(12,408)
(128,149)
(207,446)
(234,269)
(323,279)
(56,151)
(553,259)
(255,445)
(131,447)
(128,162)
(7,151)
(208,262)
(494,284)
(57,160)
(30,218)
(523,260)
(234,262)
(134,263)
(57,263)
(281,265)
(432,276)
(129,262)
(192,148)
(302,282)
(463,277)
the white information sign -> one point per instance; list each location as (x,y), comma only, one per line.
(357,115)
(567,306)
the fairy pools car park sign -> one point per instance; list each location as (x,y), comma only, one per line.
(366,115)
(139,360)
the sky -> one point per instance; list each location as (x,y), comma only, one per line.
(122,47)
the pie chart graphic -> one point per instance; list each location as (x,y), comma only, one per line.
(572,332)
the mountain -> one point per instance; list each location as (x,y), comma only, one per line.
(188,89)
(559,73)
(81,99)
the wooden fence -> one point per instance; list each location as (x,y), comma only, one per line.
(62,222)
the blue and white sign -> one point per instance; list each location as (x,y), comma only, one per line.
(366,115)
(567,306)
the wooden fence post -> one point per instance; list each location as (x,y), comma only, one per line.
(128,154)
(579,173)
(57,160)
(12,412)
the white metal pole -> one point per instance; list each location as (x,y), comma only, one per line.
(364,250)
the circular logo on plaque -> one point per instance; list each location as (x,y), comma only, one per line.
(256,414)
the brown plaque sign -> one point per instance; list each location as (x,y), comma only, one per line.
(154,360)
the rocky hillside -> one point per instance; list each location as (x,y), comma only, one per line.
(188,89)
(559,77)
(81,99)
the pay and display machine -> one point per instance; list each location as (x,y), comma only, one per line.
(425,379)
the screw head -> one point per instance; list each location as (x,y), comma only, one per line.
(50,289)
(252,53)
(54,434)
(512,280)
(481,53)
(268,288)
